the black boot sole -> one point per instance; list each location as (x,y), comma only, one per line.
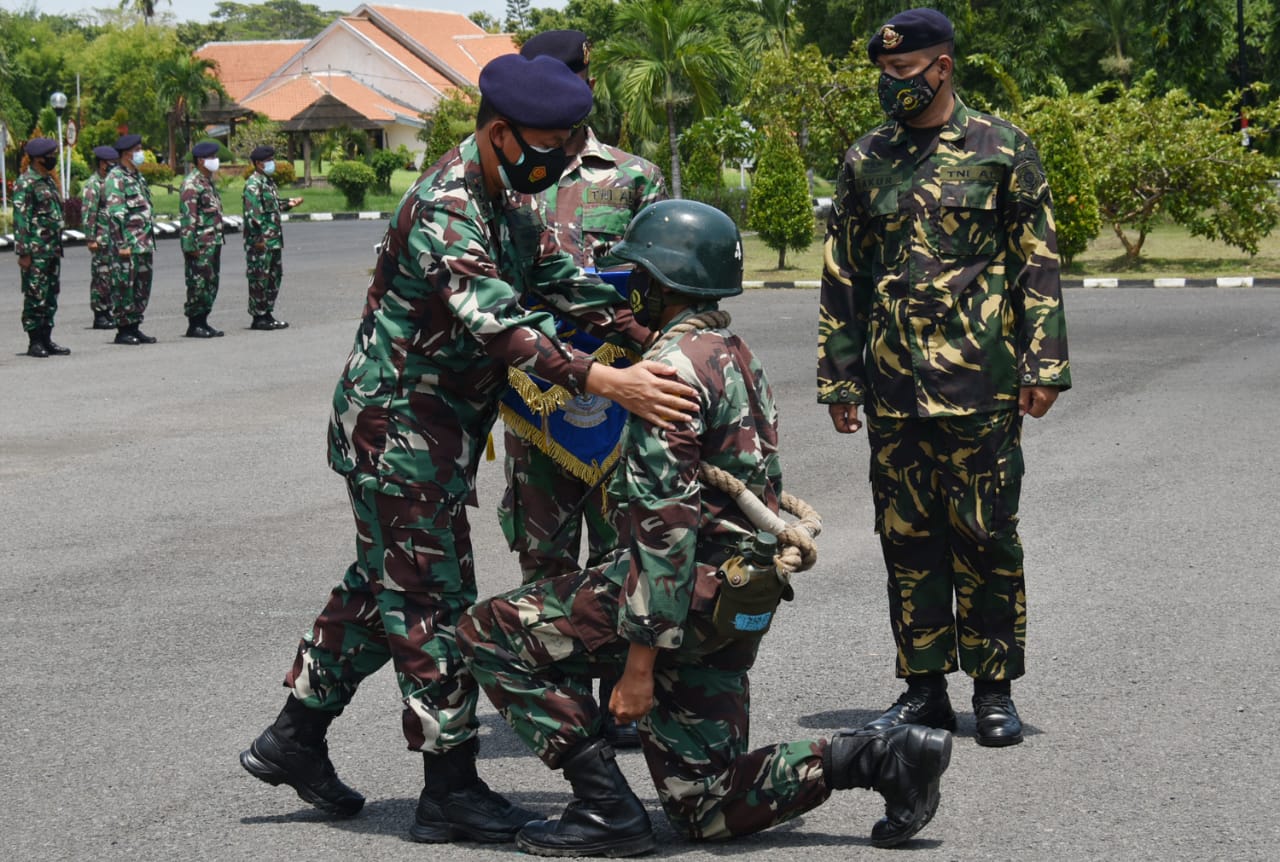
(934,759)
(609,849)
(265,770)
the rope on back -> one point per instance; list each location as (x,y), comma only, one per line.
(798,551)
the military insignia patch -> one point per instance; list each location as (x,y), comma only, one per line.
(537,173)
(892,38)
(1030,179)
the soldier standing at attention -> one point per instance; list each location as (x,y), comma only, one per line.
(97,227)
(557,455)
(200,227)
(132,221)
(942,315)
(264,238)
(652,609)
(411,413)
(37,234)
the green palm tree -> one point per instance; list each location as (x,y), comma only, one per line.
(774,25)
(185,83)
(146,8)
(667,55)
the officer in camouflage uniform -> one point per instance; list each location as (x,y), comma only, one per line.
(132,225)
(200,227)
(37,234)
(264,238)
(97,227)
(411,414)
(556,456)
(942,314)
(648,609)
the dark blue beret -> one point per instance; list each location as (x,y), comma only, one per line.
(911,31)
(262,153)
(568,46)
(37,147)
(541,93)
(128,142)
(204,149)
(107,154)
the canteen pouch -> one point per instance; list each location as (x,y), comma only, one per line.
(747,600)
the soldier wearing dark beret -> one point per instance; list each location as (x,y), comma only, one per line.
(132,227)
(264,238)
(947,355)
(200,229)
(37,234)
(411,413)
(97,228)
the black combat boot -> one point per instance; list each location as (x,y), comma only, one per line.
(904,764)
(604,819)
(52,346)
(214,333)
(293,751)
(142,337)
(924,702)
(995,715)
(456,804)
(35,345)
(102,320)
(198,328)
(125,335)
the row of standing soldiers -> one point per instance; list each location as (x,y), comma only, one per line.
(119,224)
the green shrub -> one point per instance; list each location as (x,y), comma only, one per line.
(781,210)
(384,164)
(353,179)
(731,201)
(156,173)
(285,174)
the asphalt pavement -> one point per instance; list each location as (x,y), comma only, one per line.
(169,527)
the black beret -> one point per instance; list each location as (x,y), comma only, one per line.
(568,46)
(37,147)
(204,149)
(107,154)
(262,153)
(538,94)
(911,31)
(128,142)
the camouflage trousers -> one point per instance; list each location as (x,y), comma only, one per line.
(265,271)
(540,496)
(946,498)
(100,281)
(413,577)
(202,270)
(130,288)
(535,650)
(41,283)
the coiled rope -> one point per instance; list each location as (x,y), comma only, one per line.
(798,551)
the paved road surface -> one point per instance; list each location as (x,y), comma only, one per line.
(168,527)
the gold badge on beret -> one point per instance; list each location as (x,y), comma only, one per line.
(892,38)
(586,53)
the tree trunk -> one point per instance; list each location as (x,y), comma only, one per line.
(782,257)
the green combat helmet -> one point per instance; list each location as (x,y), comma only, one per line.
(689,247)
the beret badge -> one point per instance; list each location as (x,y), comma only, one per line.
(892,38)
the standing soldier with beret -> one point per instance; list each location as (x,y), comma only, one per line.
(97,226)
(557,455)
(37,233)
(200,226)
(942,315)
(411,414)
(133,240)
(264,238)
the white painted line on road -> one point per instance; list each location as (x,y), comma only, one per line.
(1170,282)
(1235,281)
(1102,282)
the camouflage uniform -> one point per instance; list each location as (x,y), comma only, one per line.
(262,225)
(200,226)
(97,228)
(535,649)
(555,455)
(37,233)
(411,414)
(940,298)
(132,225)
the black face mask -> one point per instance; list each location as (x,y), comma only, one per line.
(645,297)
(537,170)
(49,162)
(904,98)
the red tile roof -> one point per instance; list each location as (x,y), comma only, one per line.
(242,66)
(410,60)
(439,32)
(293,95)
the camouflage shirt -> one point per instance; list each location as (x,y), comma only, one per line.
(941,294)
(262,209)
(200,213)
(37,216)
(680,528)
(128,203)
(442,322)
(93,200)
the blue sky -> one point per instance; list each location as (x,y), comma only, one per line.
(199,10)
